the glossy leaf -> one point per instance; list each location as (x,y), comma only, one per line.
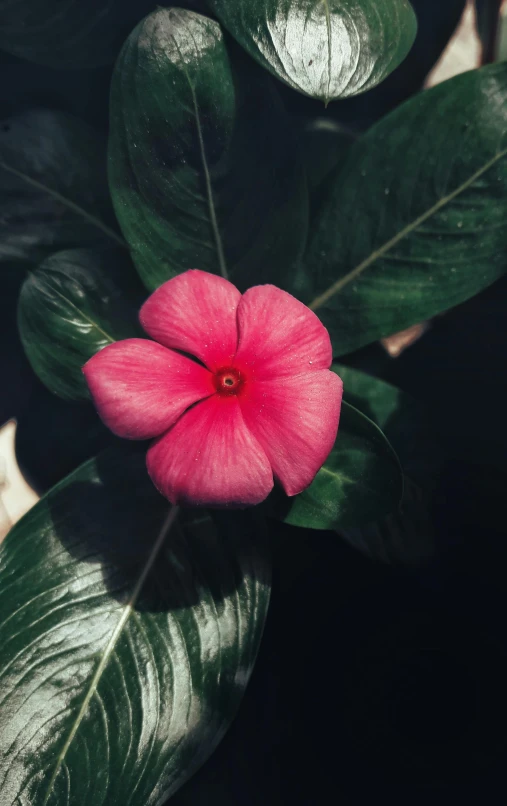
(414,223)
(361,480)
(63,33)
(73,305)
(125,653)
(54,186)
(330,49)
(203,172)
(436,24)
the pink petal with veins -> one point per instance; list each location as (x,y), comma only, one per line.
(279,336)
(295,419)
(141,388)
(195,312)
(266,406)
(211,458)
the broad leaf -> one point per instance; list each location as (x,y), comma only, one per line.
(406,536)
(405,422)
(326,145)
(203,172)
(329,49)
(73,305)
(63,33)
(54,186)
(436,23)
(127,639)
(414,222)
(361,480)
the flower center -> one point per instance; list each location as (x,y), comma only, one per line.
(228,381)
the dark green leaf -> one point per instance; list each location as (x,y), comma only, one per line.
(414,223)
(54,186)
(326,145)
(73,305)
(329,49)
(202,170)
(361,480)
(405,537)
(404,421)
(63,33)
(124,654)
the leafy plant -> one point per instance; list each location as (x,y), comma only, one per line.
(129,628)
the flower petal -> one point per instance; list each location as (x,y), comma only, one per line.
(295,419)
(278,335)
(141,388)
(195,312)
(210,458)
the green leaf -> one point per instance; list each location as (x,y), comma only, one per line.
(405,537)
(73,305)
(54,186)
(326,145)
(127,637)
(436,24)
(361,480)
(327,49)
(63,33)
(414,222)
(203,171)
(405,422)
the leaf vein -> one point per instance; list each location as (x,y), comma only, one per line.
(388,245)
(67,202)
(106,655)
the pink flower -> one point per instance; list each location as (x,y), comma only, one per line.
(262,403)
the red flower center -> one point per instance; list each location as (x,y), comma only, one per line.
(228,381)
